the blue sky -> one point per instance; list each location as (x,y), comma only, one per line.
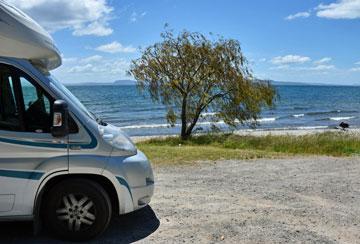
(297,40)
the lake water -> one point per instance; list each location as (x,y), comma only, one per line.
(309,107)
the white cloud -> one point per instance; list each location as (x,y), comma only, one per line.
(298,15)
(322,67)
(136,16)
(81,68)
(85,17)
(66,60)
(342,9)
(357,63)
(311,68)
(95,28)
(92,69)
(280,67)
(74,60)
(323,60)
(94,58)
(356,69)
(115,47)
(290,59)
(317,68)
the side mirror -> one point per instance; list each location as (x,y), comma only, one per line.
(60,126)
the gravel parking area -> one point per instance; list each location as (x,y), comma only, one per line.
(312,200)
(302,200)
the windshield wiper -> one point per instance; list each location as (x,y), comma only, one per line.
(101,122)
(98,120)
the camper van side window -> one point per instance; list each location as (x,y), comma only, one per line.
(9,107)
(37,110)
(24,105)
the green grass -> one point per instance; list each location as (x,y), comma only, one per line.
(213,147)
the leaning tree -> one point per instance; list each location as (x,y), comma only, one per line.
(191,74)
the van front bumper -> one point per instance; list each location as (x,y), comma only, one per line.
(142,195)
(136,181)
(141,179)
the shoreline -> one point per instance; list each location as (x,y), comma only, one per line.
(264,132)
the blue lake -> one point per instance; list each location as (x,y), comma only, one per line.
(298,107)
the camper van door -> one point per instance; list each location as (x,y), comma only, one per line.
(28,152)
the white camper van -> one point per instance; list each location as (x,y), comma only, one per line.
(59,163)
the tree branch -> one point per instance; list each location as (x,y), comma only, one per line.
(181,89)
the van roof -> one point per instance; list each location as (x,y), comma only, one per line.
(21,37)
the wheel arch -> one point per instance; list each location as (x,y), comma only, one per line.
(45,189)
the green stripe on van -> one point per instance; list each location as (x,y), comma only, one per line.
(30,175)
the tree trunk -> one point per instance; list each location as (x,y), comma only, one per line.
(184,135)
(185,130)
(189,129)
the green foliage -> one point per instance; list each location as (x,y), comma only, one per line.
(191,74)
(230,146)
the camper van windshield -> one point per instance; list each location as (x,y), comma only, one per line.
(71,97)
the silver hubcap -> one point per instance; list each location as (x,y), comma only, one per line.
(76,213)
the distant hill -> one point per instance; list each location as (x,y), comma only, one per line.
(124,82)
(116,83)
(288,83)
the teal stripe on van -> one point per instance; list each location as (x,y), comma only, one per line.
(30,175)
(91,145)
(123,182)
(32,144)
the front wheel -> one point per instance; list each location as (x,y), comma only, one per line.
(77,210)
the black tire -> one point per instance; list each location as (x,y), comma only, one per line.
(77,219)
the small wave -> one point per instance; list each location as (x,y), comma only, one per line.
(149,126)
(205,123)
(208,114)
(342,118)
(298,115)
(266,120)
(324,112)
(311,127)
(300,108)
(288,128)
(211,114)
(331,112)
(221,122)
